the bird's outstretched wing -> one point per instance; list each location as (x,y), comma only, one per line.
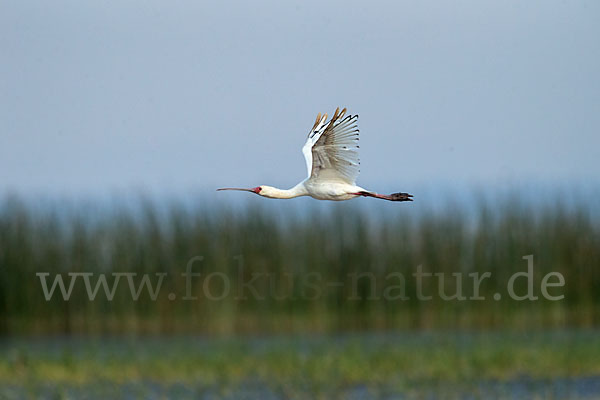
(331,150)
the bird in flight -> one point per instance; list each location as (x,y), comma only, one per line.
(331,153)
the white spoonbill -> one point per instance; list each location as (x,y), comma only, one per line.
(331,153)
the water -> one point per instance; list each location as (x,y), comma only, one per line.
(560,365)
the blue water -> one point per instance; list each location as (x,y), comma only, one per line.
(104,351)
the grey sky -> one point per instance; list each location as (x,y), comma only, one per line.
(178,95)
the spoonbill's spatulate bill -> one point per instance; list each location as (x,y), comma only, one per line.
(331,153)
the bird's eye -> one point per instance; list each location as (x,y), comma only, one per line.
(260,188)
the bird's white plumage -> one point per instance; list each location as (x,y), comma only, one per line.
(331,153)
(331,150)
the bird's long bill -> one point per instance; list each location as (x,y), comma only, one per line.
(253,190)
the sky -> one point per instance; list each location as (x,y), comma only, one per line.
(169,97)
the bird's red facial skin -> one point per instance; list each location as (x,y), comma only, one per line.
(257,189)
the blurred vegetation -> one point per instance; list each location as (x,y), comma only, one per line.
(559,364)
(302,257)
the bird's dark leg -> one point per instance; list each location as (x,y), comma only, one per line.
(391,197)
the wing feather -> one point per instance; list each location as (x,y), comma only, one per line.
(331,150)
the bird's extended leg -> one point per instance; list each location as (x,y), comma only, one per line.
(390,197)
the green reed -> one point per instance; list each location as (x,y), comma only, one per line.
(323,270)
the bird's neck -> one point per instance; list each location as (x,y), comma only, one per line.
(296,191)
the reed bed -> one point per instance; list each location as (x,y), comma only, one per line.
(328,270)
